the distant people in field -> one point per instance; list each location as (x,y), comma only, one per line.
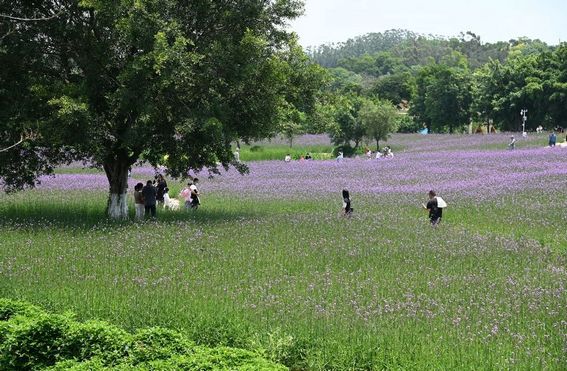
(512,143)
(168,202)
(552,139)
(539,129)
(149,192)
(340,157)
(161,185)
(347,209)
(385,153)
(287,158)
(435,207)
(237,155)
(368,153)
(139,201)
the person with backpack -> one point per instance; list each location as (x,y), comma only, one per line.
(435,206)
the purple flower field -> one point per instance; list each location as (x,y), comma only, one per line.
(467,172)
(267,263)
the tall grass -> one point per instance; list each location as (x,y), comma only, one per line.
(485,290)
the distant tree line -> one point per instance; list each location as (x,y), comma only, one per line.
(444,84)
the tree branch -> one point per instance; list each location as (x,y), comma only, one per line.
(24,136)
(13,145)
(31,19)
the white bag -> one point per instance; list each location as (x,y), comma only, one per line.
(441,203)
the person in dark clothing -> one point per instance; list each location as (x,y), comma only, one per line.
(160,188)
(149,194)
(347,209)
(552,139)
(435,207)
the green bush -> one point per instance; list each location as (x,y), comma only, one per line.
(158,343)
(221,358)
(283,348)
(96,338)
(35,342)
(31,339)
(10,308)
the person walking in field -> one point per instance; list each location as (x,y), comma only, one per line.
(347,209)
(149,194)
(139,201)
(435,206)
(512,144)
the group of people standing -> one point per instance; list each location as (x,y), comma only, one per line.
(307,157)
(147,197)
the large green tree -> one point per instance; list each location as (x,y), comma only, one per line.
(443,96)
(113,82)
(501,91)
(380,118)
(346,126)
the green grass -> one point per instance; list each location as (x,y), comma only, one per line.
(266,152)
(381,290)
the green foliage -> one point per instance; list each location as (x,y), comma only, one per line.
(347,126)
(35,342)
(408,125)
(395,88)
(173,83)
(157,343)
(432,75)
(380,119)
(443,97)
(33,339)
(10,308)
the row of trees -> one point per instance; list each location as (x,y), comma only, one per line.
(448,84)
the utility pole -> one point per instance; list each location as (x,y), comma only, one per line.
(524,115)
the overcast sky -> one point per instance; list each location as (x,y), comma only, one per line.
(327,21)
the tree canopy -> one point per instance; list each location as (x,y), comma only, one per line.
(169,82)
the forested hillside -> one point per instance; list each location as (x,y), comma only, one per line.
(445,84)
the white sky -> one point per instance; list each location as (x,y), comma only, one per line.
(327,21)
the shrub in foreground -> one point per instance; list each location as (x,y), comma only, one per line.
(32,339)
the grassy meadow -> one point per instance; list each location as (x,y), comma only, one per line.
(268,264)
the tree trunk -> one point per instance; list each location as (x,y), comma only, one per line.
(117,174)
(377,145)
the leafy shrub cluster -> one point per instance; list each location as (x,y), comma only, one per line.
(32,339)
